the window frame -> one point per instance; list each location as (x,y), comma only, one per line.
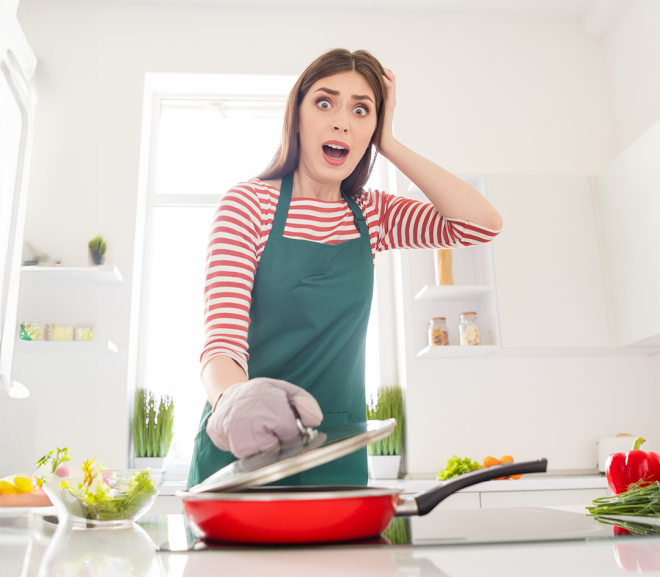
(169,86)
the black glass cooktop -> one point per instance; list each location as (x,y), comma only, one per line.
(441,527)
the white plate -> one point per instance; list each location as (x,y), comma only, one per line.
(19,511)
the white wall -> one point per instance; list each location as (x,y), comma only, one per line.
(475,94)
(632,55)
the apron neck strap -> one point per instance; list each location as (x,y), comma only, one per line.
(282,209)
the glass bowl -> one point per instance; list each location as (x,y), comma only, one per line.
(116,497)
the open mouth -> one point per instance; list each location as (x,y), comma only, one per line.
(335,151)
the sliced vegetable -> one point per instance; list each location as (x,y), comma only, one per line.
(457,466)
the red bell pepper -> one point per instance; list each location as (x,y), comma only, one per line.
(624,469)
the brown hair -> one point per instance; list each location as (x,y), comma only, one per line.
(332,62)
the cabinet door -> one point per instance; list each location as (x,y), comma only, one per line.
(505,499)
(548,269)
(629,198)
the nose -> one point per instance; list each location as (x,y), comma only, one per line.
(340,121)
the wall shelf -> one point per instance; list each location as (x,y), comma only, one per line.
(465,352)
(579,352)
(457,352)
(62,347)
(86,275)
(453,292)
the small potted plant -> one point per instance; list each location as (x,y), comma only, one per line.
(384,457)
(153,418)
(97,248)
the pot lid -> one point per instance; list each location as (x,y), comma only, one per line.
(300,454)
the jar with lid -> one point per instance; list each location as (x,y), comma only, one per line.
(438,333)
(468,329)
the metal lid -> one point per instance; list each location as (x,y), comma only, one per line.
(295,456)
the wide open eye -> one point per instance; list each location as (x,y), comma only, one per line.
(364,110)
(323,103)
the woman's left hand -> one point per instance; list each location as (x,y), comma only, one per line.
(390,103)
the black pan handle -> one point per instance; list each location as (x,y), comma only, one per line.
(428,500)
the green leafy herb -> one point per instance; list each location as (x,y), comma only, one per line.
(457,466)
(637,501)
(387,405)
(55,458)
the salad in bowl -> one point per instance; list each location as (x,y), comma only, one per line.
(103,497)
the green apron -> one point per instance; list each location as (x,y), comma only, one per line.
(308,325)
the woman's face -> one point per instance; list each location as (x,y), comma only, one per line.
(337,111)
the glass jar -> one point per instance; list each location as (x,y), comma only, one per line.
(438,333)
(468,329)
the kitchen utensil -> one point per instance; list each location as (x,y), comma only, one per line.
(228,507)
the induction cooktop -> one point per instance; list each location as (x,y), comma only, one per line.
(440,527)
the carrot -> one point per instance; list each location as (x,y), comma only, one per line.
(490,462)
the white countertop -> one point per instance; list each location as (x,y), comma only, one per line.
(35,552)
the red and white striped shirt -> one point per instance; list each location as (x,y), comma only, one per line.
(241,227)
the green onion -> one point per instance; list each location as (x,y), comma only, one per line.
(153,420)
(387,405)
(636,501)
(398,531)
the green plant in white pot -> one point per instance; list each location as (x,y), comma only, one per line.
(153,419)
(384,456)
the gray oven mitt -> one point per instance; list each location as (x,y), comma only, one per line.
(254,416)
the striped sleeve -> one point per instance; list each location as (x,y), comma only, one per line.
(407,223)
(231,263)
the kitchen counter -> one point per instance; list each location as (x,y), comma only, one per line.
(478,543)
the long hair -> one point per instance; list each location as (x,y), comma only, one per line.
(332,62)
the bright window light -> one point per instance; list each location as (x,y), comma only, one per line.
(203,147)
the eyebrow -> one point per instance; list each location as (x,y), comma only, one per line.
(337,93)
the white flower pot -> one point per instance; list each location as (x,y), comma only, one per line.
(149,462)
(384,466)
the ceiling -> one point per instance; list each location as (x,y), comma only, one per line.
(596,15)
(538,7)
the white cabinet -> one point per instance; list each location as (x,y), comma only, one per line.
(548,264)
(629,200)
(496,500)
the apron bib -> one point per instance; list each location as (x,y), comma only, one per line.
(308,325)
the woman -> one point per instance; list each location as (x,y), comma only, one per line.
(290,267)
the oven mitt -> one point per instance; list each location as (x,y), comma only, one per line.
(255,416)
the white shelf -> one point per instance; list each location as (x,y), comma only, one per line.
(580,352)
(453,292)
(457,352)
(468,352)
(104,274)
(100,347)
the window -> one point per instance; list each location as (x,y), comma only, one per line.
(198,151)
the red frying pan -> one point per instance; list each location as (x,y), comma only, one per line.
(227,508)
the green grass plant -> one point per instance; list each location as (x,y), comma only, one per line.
(98,245)
(153,418)
(388,404)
